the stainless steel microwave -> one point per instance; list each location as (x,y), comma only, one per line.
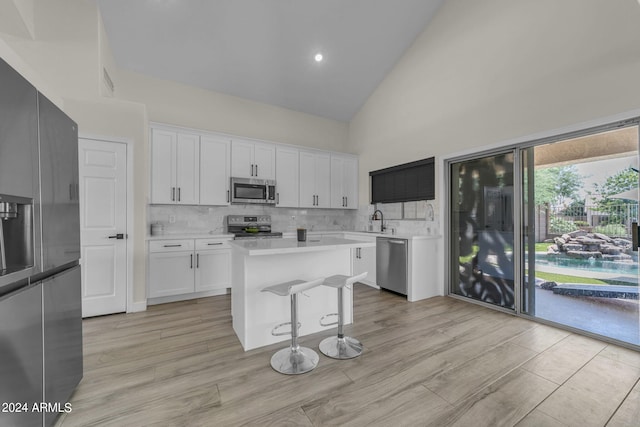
(251,190)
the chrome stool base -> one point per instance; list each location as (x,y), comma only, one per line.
(341,348)
(292,362)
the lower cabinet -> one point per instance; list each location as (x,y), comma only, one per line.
(188,267)
(213,266)
(364,259)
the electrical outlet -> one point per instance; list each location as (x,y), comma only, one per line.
(172,219)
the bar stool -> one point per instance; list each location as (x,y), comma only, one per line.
(294,359)
(340,347)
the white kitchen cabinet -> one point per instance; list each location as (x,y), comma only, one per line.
(213,270)
(215,157)
(344,181)
(287,177)
(315,179)
(170,268)
(188,268)
(175,167)
(364,259)
(250,159)
(213,265)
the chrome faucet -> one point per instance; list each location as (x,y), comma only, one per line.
(374,217)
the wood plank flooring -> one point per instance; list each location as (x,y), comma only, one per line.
(436,362)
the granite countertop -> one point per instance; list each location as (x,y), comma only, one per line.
(287,245)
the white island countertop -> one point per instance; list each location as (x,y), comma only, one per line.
(285,246)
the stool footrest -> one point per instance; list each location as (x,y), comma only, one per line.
(278,334)
(328,324)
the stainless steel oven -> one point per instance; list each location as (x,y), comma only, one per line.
(251,190)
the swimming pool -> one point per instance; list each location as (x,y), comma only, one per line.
(614,267)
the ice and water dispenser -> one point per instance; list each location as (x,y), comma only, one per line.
(16,234)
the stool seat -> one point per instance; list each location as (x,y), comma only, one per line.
(340,280)
(293,359)
(292,287)
(339,346)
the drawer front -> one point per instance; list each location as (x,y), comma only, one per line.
(208,244)
(171,245)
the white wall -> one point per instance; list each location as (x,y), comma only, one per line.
(64,61)
(62,49)
(178,104)
(486,72)
(489,71)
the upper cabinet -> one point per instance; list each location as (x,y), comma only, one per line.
(175,165)
(251,159)
(344,181)
(287,177)
(315,179)
(404,183)
(192,167)
(215,157)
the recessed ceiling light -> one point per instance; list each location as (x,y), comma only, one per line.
(318,57)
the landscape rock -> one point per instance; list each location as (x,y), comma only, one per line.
(559,241)
(577,233)
(573,247)
(584,254)
(610,249)
(548,285)
(603,237)
(582,245)
(618,257)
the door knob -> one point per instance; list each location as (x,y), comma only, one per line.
(118,236)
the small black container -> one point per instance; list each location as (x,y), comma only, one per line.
(302,234)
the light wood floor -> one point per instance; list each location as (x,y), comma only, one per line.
(435,362)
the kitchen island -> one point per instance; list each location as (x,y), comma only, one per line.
(259,263)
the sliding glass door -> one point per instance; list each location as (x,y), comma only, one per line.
(580,201)
(559,247)
(482,229)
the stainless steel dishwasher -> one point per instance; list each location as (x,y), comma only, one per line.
(391,264)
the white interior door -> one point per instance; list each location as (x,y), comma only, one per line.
(103,226)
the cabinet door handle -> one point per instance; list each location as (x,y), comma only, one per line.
(173,194)
(277,198)
(191,261)
(197,260)
(252,170)
(227,196)
(172,246)
(213,244)
(346,201)
(256,170)
(178,193)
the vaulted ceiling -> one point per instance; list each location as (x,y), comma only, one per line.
(264,50)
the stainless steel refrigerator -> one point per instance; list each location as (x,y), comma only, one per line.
(40,291)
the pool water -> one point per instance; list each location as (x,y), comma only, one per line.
(614,267)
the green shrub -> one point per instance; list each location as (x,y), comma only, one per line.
(616,230)
(560,226)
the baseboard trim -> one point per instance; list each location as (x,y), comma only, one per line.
(137,306)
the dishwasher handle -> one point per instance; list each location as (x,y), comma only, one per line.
(397,242)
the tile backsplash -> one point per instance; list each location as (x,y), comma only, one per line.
(204,219)
(423,218)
